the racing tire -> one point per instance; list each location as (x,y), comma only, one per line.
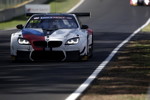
(13,58)
(84,58)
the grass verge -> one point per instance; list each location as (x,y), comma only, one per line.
(62,5)
(56,6)
(146,29)
(127,76)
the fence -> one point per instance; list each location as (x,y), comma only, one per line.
(10,3)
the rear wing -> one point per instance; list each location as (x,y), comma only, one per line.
(85,14)
(30,14)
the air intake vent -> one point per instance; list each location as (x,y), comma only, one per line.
(41,44)
(44,44)
(54,43)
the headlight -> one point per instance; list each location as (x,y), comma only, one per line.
(72,41)
(23,41)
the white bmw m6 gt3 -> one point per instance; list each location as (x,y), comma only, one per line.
(52,37)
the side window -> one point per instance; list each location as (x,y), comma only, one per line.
(70,23)
(33,23)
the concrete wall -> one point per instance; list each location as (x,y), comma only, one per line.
(8,14)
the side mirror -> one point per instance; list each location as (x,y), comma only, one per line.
(84,27)
(20,26)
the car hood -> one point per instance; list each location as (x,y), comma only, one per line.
(53,34)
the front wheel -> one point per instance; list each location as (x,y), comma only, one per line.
(13,58)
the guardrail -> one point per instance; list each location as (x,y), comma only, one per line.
(17,10)
(4,4)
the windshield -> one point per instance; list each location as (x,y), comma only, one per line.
(52,22)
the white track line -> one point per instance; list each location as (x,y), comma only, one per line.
(76,6)
(88,81)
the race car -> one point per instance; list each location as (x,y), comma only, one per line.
(52,37)
(139,2)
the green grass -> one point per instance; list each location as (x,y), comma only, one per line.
(146,29)
(13,23)
(58,6)
(62,5)
(140,54)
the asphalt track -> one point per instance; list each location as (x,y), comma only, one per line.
(112,21)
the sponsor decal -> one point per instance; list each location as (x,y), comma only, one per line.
(55,17)
(32,36)
(37,8)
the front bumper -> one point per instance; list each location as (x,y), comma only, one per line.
(40,51)
(48,55)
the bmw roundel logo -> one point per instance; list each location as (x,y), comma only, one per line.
(48,32)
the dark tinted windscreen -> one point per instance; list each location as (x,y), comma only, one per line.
(50,22)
